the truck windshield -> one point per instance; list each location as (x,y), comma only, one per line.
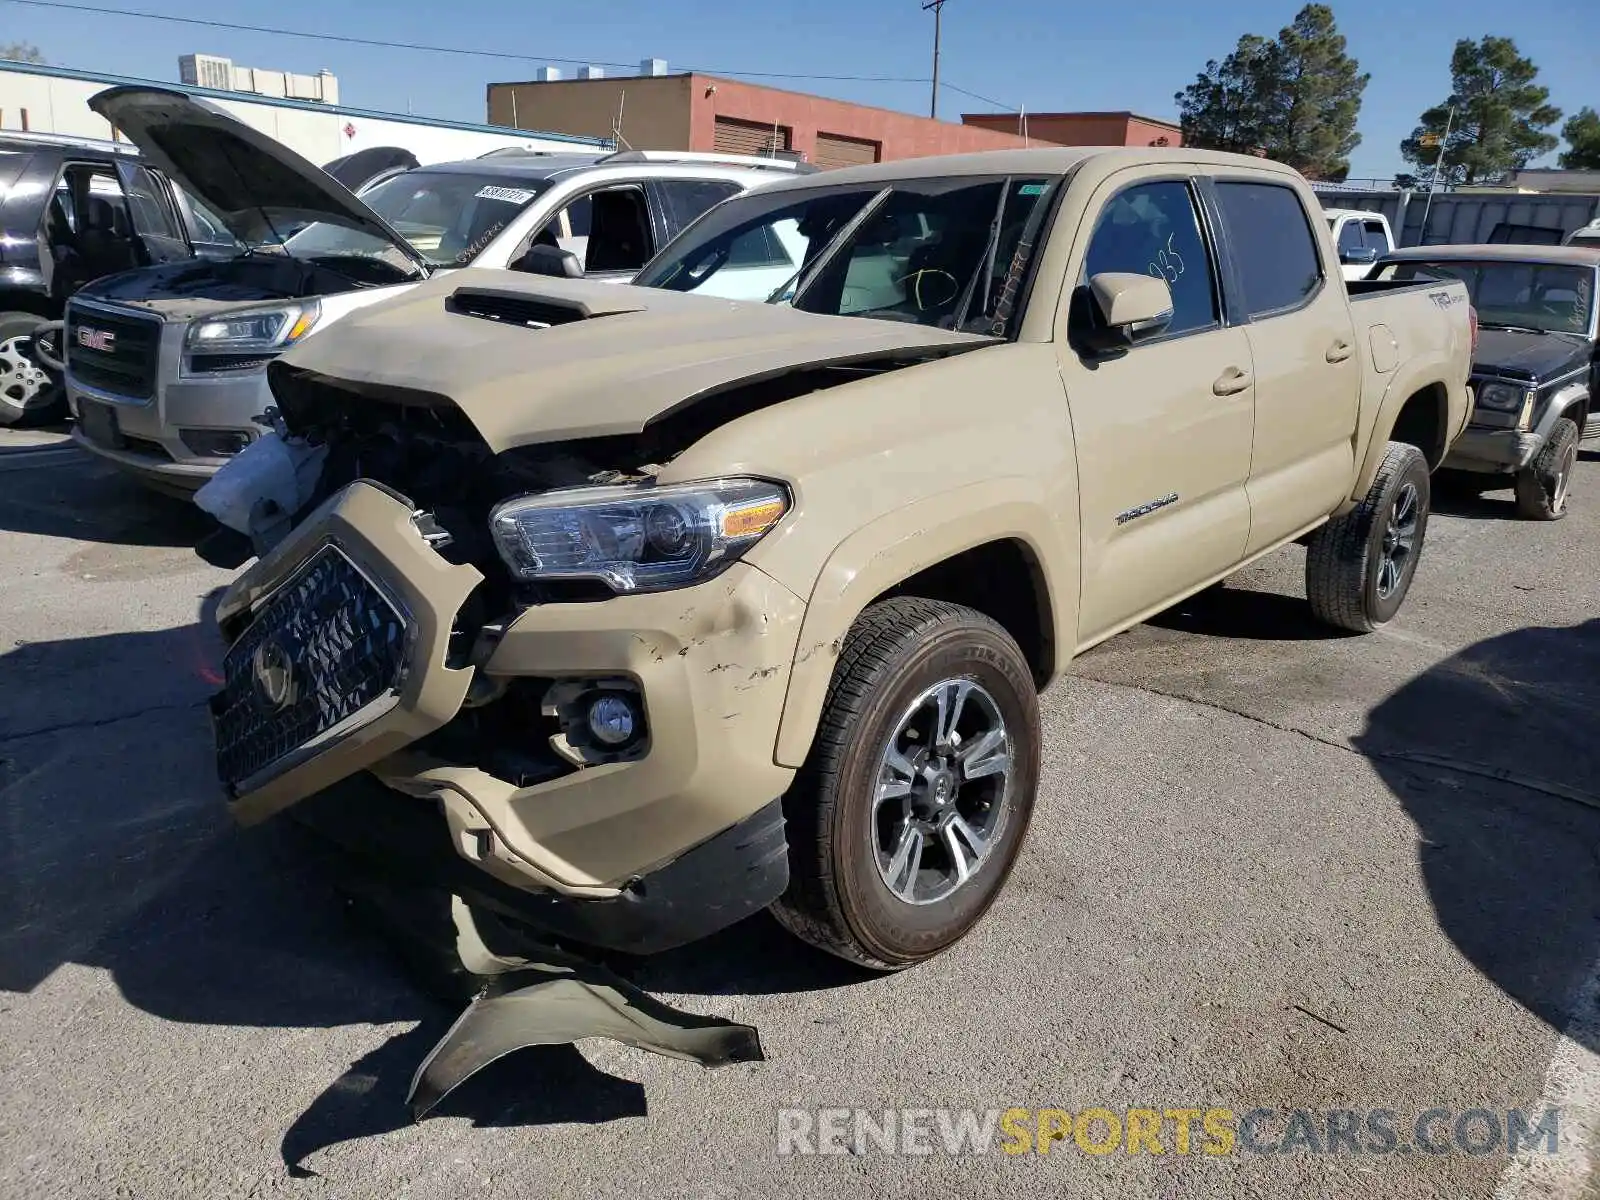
(448,216)
(1543,297)
(950,252)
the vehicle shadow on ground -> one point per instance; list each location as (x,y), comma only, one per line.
(1241,612)
(85,500)
(1495,754)
(1498,505)
(116,854)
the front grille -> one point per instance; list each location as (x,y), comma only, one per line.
(323,648)
(113,352)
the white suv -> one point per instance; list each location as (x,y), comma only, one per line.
(166,364)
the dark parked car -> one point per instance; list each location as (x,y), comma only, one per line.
(1536,373)
(68,212)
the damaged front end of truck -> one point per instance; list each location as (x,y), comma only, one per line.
(486,610)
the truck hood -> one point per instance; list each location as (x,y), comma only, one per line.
(1531,356)
(534,360)
(253,183)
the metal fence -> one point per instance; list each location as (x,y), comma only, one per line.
(1457,218)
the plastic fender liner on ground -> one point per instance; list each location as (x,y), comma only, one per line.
(555,999)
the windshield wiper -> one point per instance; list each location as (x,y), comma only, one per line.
(1510,328)
(985,268)
(808,272)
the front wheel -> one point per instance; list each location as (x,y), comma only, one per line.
(1359,566)
(912,807)
(28,394)
(1543,484)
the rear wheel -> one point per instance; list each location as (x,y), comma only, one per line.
(28,394)
(1359,566)
(1543,484)
(910,812)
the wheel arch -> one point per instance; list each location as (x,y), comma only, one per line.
(997,553)
(1415,410)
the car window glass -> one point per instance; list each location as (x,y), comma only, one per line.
(1377,237)
(1548,297)
(929,251)
(1153,229)
(688,198)
(1272,243)
(1350,236)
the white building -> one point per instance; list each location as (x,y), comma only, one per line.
(223,75)
(55,100)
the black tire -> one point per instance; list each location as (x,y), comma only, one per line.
(837,897)
(1543,484)
(44,406)
(1345,577)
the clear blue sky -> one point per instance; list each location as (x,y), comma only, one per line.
(1047,56)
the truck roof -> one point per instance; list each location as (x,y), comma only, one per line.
(1577,256)
(1055,160)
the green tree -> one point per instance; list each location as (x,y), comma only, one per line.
(21,52)
(1229,105)
(1500,116)
(1583,141)
(1322,87)
(1294,98)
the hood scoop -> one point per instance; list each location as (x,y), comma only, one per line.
(533,312)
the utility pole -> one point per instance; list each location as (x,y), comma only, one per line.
(1438,165)
(938,11)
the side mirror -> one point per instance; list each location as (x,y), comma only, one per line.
(1361,255)
(1132,306)
(548,260)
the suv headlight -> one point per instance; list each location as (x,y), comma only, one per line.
(1502,397)
(636,539)
(247,338)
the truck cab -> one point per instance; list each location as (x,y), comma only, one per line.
(1362,239)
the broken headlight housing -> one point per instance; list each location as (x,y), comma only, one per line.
(636,538)
(247,339)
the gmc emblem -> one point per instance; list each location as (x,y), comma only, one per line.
(102,340)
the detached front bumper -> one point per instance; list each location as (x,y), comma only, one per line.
(1493,451)
(686,813)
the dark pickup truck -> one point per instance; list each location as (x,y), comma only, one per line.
(1536,373)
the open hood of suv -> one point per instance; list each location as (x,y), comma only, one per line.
(252,182)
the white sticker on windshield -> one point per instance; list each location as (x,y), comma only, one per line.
(509,195)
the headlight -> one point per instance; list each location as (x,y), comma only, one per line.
(1502,397)
(254,330)
(636,539)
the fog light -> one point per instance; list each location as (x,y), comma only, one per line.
(611,720)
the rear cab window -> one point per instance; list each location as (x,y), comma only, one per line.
(1273,246)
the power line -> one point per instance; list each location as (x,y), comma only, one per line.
(350,40)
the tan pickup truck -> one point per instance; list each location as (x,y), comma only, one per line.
(661,608)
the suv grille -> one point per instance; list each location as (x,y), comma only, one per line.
(113,352)
(327,647)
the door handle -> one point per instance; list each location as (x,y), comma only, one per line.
(1231,382)
(1339,351)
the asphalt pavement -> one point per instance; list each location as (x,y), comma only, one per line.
(1272,868)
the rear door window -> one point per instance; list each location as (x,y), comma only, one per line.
(686,199)
(1272,243)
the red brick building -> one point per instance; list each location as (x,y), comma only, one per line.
(704,112)
(1082,128)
